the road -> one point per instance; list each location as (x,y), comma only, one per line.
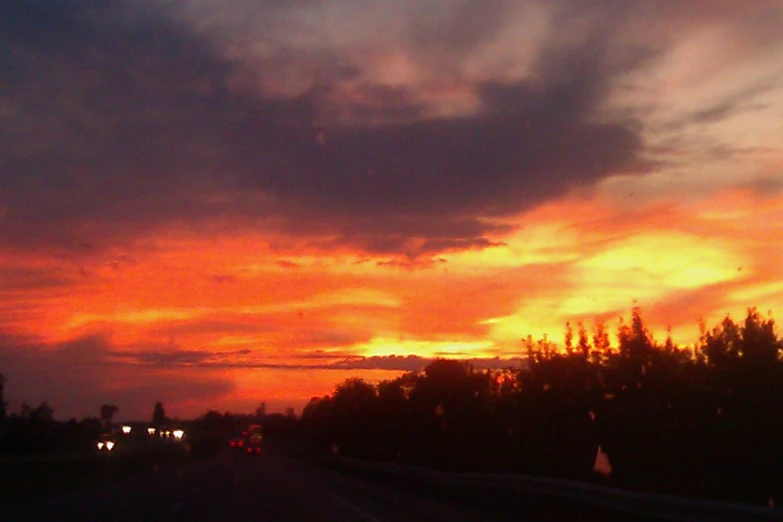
(236,487)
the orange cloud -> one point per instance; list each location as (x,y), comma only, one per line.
(572,260)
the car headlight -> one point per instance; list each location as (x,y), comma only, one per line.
(100,446)
(110,445)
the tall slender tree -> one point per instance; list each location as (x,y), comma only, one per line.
(107,413)
(158,415)
(2,401)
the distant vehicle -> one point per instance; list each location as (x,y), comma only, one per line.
(254,433)
(106,443)
(237,440)
(253,441)
(253,448)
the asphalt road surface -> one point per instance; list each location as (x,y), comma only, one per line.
(235,487)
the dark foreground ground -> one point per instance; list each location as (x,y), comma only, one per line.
(272,487)
(43,476)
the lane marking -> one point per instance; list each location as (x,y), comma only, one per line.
(356,509)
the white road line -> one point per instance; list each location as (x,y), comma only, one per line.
(313,469)
(352,507)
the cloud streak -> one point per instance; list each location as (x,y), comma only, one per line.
(79,375)
(244,360)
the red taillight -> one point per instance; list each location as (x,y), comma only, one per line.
(231,443)
(241,443)
(258,450)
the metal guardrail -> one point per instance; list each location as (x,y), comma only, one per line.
(651,506)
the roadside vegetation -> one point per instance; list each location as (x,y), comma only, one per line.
(703,420)
(40,456)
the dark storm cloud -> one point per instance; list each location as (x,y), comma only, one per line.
(172,357)
(289,265)
(77,376)
(117,120)
(168,358)
(413,264)
(455,33)
(100,106)
(377,103)
(415,363)
(25,280)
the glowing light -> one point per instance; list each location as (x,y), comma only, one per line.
(100,446)
(178,434)
(109,445)
(602,465)
(127,429)
(151,431)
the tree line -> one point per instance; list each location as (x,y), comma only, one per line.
(34,431)
(701,420)
(704,420)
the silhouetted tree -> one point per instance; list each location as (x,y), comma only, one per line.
(260,412)
(107,413)
(746,381)
(25,410)
(318,421)
(584,341)
(703,421)
(352,409)
(213,420)
(42,413)
(568,339)
(281,427)
(92,425)
(394,419)
(601,345)
(158,415)
(2,398)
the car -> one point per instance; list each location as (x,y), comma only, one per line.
(237,440)
(253,440)
(106,443)
(253,448)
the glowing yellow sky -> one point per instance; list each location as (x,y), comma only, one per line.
(231,293)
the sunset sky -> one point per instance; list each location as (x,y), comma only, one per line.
(214,203)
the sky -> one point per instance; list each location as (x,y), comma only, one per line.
(214,204)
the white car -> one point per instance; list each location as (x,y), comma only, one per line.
(106,444)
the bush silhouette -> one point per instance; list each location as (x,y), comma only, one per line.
(703,420)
